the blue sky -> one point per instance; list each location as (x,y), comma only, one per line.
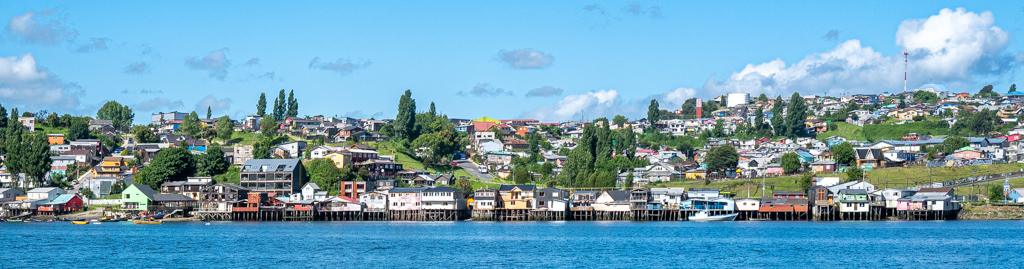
(533,59)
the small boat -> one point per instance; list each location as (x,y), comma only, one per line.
(15,220)
(147,222)
(110,219)
(76,222)
(703,216)
(97,222)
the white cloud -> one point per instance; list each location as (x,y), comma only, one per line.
(544,92)
(950,47)
(210,101)
(22,82)
(340,66)
(607,103)
(359,114)
(41,28)
(525,58)
(216,63)
(158,104)
(486,90)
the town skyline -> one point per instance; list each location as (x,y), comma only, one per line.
(604,59)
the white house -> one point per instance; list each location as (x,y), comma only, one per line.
(375,201)
(443,198)
(669,198)
(613,200)
(47,193)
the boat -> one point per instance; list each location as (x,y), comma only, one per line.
(77,222)
(110,219)
(703,216)
(148,222)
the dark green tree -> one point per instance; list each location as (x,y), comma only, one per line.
(778,118)
(722,158)
(521,175)
(293,105)
(212,162)
(121,116)
(952,144)
(190,125)
(143,134)
(170,164)
(790,162)
(844,153)
(653,111)
(405,121)
(261,105)
(225,128)
(36,161)
(629,180)
(619,121)
(855,173)
(796,116)
(464,185)
(261,149)
(995,194)
(806,181)
(325,174)
(209,112)
(1013,87)
(79,130)
(268,126)
(280,106)
(762,98)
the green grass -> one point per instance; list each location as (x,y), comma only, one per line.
(479,184)
(243,138)
(849,131)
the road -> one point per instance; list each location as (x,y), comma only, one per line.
(77,188)
(474,170)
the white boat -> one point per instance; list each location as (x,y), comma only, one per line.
(703,216)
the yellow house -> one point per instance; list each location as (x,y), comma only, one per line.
(111,167)
(698,173)
(341,160)
(487,119)
(517,196)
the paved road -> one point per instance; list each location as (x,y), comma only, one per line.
(77,188)
(474,170)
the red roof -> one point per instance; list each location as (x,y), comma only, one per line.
(346,198)
(482,126)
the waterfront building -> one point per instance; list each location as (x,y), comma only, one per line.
(552,199)
(222,197)
(517,196)
(668,198)
(612,200)
(280,176)
(443,198)
(853,201)
(486,199)
(139,197)
(405,198)
(375,201)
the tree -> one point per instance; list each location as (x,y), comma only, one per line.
(844,153)
(209,112)
(722,158)
(261,105)
(225,128)
(806,181)
(326,175)
(796,116)
(995,193)
(120,116)
(952,144)
(652,112)
(293,105)
(985,91)
(143,134)
(619,120)
(1013,88)
(855,173)
(280,106)
(778,119)
(212,162)
(925,97)
(79,130)
(268,126)
(87,193)
(629,180)
(190,125)
(464,185)
(35,149)
(405,121)
(521,175)
(170,164)
(261,149)
(762,98)
(790,162)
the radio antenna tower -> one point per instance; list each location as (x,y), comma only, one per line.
(904,71)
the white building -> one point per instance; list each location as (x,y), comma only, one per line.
(735,99)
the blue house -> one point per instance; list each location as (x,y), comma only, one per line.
(1016,195)
(805,157)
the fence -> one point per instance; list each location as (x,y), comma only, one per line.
(958,163)
(102,201)
(972,180)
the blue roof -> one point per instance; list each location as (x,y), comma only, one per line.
(1014,93)
(804,154)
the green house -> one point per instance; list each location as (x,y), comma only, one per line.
(141,197)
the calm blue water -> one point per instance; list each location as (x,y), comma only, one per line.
(514,244)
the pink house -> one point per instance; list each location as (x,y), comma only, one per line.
(774,168)
(906,204)
(967,154)
(405,198)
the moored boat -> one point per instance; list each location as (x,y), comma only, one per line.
(79,222)
(703,216)
(147,222)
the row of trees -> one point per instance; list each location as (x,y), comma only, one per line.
(27,152)
(599,156)
(282,109)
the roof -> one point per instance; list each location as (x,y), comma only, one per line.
(145,189)
(853,191)
(441,189)
(46,189)
(618,195)
(61,199)
(170,198)
(254,165)
(408,190)
(521,187)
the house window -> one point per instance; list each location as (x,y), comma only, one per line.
(127,196)
(513,202)
(541,194)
